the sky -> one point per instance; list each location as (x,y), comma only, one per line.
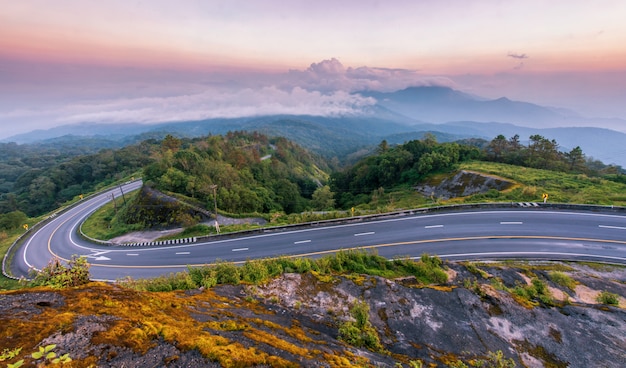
(71,61)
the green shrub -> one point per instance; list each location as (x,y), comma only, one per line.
(254,271)
(537,290)
(227,273)
(360,333)
(471,267)
(274,267)
(562,279)
(58,275)
(606,297)
(496,360)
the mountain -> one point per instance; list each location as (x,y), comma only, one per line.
(397,117)
(327,136)
(110,131)
(443,104)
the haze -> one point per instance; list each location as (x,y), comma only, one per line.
(118,61)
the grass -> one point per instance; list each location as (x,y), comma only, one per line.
(562,279)
(103,224)
(561,187)
(428,270)
(6,239)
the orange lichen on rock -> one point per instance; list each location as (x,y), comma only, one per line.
(141,321)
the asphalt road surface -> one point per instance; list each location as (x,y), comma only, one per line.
(488,234)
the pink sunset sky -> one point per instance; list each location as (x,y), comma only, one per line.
(67,61)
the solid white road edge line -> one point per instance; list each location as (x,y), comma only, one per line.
(525,253)
(612,227)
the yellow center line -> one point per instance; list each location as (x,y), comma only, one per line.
(50,241)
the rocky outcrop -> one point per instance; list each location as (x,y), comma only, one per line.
(436,324)
(463,183)
(152,208)
(294,321)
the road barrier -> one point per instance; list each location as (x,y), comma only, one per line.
(449,208)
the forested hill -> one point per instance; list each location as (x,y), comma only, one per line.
(251,172)
(248,171)
(248,168)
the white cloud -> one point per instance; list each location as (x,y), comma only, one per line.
(215,104)
(326,88)
(331,75)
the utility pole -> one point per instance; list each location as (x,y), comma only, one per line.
(114,202)
(214,187)
(123,197)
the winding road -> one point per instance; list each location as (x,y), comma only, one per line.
(484,234)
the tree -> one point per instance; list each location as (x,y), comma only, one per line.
(12,220)
(576,159)
(497,147)
(323,198)
(543,153)
(174,180)
(383,146)
(171,143)
(287,195)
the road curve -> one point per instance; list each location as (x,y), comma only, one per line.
(489,234)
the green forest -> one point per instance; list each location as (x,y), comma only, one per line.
(248,172)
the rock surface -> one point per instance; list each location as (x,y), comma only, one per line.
(296,318)
(463,183)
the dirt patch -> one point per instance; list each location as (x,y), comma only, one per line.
(585,294)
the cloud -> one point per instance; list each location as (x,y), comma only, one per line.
(325,88)
(332,75)
(517,56)
(208,104)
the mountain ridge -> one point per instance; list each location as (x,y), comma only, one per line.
(411,111)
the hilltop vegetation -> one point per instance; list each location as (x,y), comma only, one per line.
(36,180)
(251,173)
(544,167)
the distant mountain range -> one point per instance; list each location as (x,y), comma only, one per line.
(443,104)
(398,116)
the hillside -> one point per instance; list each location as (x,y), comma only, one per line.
(524,314)
(240,172)
(253,172)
